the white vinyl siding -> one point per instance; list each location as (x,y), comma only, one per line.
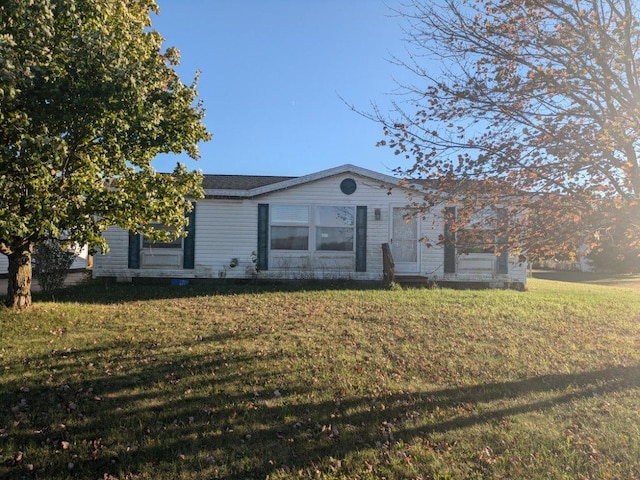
(114,263)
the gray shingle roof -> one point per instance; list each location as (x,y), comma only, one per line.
(239,182)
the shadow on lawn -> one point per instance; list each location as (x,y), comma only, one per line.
(106,293)
(125,412)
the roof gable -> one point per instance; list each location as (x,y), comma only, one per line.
(248,186)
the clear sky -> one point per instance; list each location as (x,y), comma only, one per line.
(272,74)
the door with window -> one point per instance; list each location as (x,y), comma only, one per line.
(404,240)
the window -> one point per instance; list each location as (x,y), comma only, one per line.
(158,254)
(289,227)
(144,252)
(335,228)
(482,234)
(476,241)
(150,243)
(315,228)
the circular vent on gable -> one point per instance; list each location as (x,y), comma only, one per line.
(348,186)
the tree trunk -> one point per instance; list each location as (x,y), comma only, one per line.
(19,282)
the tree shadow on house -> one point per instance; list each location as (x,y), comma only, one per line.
(128,407)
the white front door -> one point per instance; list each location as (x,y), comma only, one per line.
(404,240)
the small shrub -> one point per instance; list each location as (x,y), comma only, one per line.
(51,264)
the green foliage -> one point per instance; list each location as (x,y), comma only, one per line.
(244,382)
(87,101)
(52,263)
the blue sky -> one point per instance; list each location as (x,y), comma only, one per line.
(272,74)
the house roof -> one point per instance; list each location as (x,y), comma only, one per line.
(239,182)
(248,186)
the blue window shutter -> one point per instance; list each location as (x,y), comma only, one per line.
(449,240)
(503,258)
(189,242)
(361,239)
(133,260)
(263,236)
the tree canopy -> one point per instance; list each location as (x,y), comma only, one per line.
(88,98)
(534,100)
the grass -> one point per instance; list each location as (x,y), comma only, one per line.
(151,382)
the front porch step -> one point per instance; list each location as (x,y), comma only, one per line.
(413,281)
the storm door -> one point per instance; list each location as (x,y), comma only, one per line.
(404,240)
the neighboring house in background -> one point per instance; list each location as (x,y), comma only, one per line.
(582,262)
(82,261)
(327,225)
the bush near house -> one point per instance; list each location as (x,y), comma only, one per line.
(51,264)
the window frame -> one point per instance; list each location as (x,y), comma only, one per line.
(161,255)
(281,223)
(316,224)
(476,241)
(481,236)
(151,244)
(320,227)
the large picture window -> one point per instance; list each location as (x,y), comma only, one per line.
(290,227)
(313,228)
(335,228)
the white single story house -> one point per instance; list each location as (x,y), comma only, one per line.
(327,225)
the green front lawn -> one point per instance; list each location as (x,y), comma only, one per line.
(198,382)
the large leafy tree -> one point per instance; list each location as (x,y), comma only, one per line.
(88,99)
(529,104)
